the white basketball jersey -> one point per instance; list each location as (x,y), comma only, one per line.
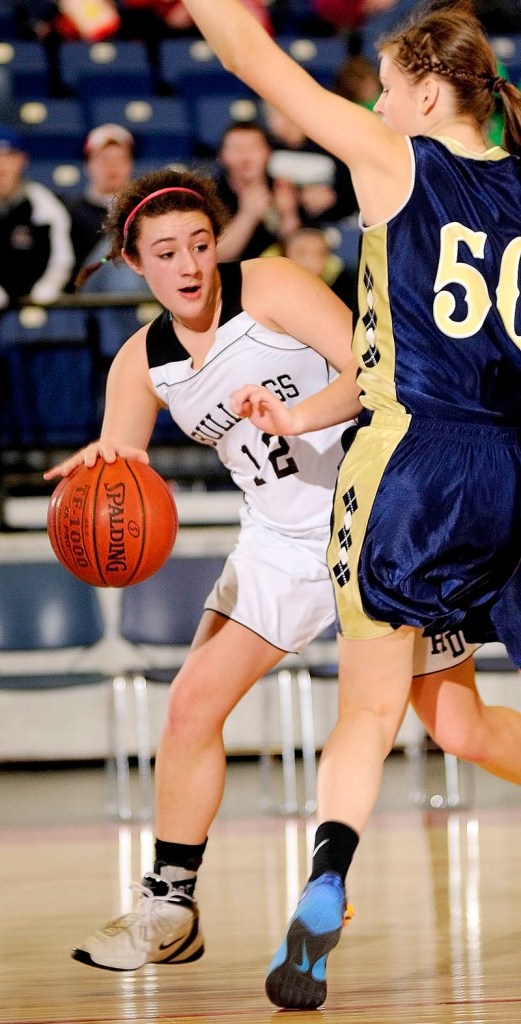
(287,482)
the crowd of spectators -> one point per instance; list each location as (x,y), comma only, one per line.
(283,191)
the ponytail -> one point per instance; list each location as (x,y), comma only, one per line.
(87,271)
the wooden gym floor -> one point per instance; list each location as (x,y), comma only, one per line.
(436,937)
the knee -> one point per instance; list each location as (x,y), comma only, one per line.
(190,718)
(464,738)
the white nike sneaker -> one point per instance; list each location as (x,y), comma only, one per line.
(163,928)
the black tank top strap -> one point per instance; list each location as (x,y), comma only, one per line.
(163,344)
(231,281)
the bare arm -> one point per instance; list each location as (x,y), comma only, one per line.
(292,300)
(379,160)
(333,404)
(131,407)
(288,298)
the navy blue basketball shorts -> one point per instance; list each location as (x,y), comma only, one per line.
(426,530)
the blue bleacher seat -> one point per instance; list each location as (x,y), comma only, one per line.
(191,68)
(61,176)
(160,125)
(52,128)
(213,114)
(26,62)
(321,57)
(108,68)
(8,26)
(50,377)
(117,323)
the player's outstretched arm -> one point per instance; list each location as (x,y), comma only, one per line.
(354,134)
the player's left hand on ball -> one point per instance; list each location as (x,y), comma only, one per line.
(89,455)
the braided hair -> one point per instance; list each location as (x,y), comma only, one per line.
(448,40)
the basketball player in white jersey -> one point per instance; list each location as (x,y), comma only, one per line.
(274,322)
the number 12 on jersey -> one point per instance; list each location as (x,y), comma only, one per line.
(282,464)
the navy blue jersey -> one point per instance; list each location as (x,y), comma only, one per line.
(426,529)
(440,336)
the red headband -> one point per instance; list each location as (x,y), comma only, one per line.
(160,192)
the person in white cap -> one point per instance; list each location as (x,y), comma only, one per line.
(36,254)
(109,156)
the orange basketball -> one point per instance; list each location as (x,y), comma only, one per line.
(114,524)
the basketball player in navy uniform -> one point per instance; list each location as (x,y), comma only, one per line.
(223,323)
(426,531)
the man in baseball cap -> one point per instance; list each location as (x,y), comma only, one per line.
(106,135)
(109,165)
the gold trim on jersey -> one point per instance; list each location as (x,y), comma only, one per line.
(358,482)
(373,341)
(494,153)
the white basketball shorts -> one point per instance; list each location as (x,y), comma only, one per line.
(280,588)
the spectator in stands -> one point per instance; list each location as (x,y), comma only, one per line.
(109,156)
(309,247)
(261,213)
(322,184)
(36,253)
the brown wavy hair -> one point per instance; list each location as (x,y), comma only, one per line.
(206,199)
(447,39)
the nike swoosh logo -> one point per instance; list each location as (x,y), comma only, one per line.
(168,945)
(304,966)
(320,845)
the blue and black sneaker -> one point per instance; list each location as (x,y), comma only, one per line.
(297,974)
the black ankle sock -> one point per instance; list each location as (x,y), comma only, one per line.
(179,854)
(335,844)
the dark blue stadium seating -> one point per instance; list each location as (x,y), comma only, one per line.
(320,57)
(54,127)
(111,68)
(191,68)
(28,68)
(211,115)
(49,378)
(160,125)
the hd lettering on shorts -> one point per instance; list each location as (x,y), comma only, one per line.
(341,569)
(441,643)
